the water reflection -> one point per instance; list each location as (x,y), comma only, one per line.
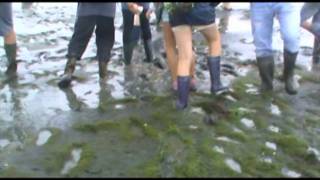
(75,103)
(15,129)
(104,96)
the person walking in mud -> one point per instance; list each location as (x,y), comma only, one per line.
(312,10)
(90,17)
(135,18)
(262,15)
(170,48)
(201,16)
(7,31)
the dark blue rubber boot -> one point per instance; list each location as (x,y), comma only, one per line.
(214,69)
(183,92)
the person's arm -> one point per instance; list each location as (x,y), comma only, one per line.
(135,8)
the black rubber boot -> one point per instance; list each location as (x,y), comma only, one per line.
(11,52)
(214,69)
(128,51)
(316,52)
(103,70)
(148,50)
(68,71)
(183,92)
(288,71)
(266,71)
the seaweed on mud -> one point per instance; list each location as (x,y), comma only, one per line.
(55,159)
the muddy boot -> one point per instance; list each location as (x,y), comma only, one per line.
(266,71)
(103,70)
(11,52)
(127,52)
(148,50)
(316,52)
(68,71)
(183,92)
(214,69)
(288,71)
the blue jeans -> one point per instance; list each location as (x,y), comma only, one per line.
(6,23)
(262,16)
(311,10)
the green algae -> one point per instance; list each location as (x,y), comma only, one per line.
(85,161)
(56,158)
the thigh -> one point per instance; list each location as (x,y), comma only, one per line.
(183,38)
(210,33)
(84,27)
(262,27)
(105,28)
(168,35)
(289,20)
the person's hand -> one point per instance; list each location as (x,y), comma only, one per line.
(135,8)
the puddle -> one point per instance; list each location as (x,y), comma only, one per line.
(266,160)
(230,98)
(218,149)
(4,143)
(232,164)
(193,127)
(275,110)
(289,173)
(197,110)
(247,122)
(75,157)
(271,145)
(242,109)
(43,137)
(274,129)
(315,152)
(119,106)
(226,139)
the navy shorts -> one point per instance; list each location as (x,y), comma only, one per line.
(201,14)
(6,23)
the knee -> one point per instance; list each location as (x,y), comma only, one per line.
(291,41)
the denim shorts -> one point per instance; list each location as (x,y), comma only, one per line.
(201,14)
(6,23)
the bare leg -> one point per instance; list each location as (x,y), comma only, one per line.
(183,37)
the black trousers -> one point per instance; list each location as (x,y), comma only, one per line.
(129,33)
(83,30)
